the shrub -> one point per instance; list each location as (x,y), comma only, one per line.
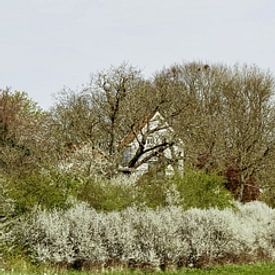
(45,188)
(194,189)
(107,195)
(259,220)
(202,190)
(152,191)
(131,236)
(143,236)
(214,235)
(6,216)
(122,192)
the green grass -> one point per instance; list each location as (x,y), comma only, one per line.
(260,268)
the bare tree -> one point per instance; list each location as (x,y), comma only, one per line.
(227,120)
(110,92)
(225,117)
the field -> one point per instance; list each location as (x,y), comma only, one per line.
(260,268)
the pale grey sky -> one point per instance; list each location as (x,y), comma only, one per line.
(48,44)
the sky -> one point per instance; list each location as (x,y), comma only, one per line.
(46,45)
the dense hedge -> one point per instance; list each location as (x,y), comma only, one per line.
(160,237)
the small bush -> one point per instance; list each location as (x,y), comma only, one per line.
(107,195)
(152,191)
(119,193)
(201,190)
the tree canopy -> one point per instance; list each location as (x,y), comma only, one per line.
(225,116)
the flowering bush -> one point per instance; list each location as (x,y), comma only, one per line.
(259,219)
(143,236)
(6,214)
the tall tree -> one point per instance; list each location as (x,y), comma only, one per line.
(19,130)
(227,121)
(111,91)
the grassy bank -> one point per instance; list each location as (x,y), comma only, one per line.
(259,268)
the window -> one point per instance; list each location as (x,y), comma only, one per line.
(150,141)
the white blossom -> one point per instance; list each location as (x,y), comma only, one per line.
(167,235)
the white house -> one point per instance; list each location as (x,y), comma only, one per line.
(151,142)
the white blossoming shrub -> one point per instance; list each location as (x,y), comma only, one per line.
(85,226)
(260,220)
(158,239)
(161,237)
(47,237)
(215,234)
(86,161)
(6,218)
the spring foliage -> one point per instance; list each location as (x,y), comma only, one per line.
(194,189)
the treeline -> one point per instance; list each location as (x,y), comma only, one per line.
(224,115)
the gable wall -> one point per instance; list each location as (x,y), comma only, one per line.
(153,139)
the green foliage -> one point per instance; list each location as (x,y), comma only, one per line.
(152,193)
(47,189)
(50,189)
(118,194)
(194,189)
(21,266)
(104,195)
(152,190)
(202,190)
(110,195)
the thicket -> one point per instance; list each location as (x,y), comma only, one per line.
(140,237)
(194,189)
(50,189)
